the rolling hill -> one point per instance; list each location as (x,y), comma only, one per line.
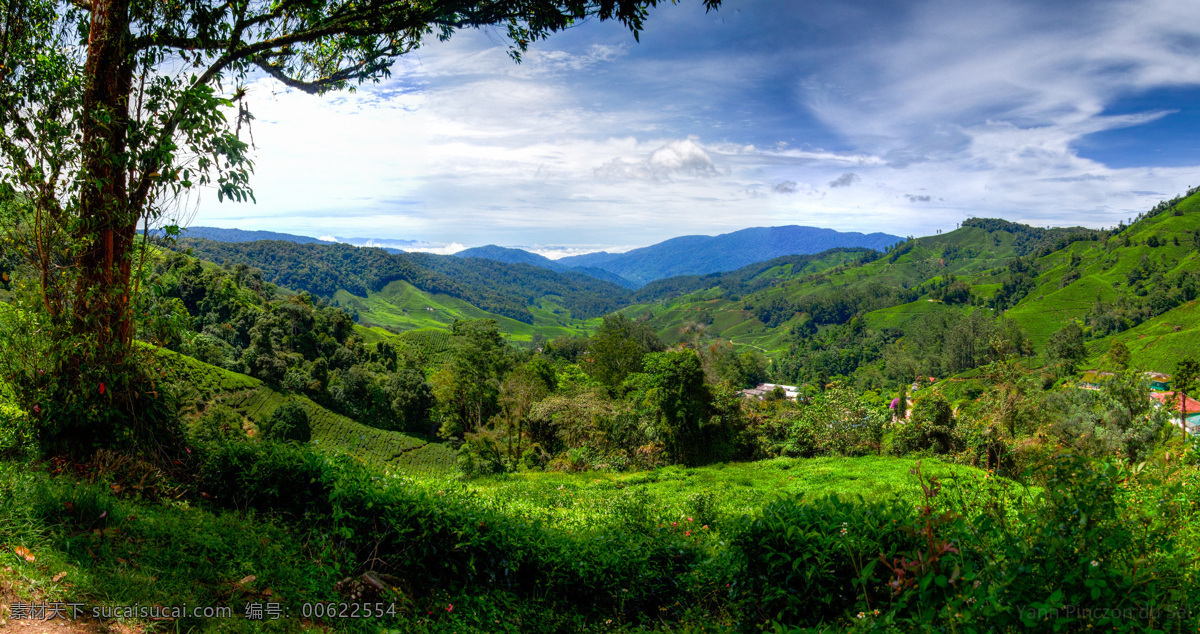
(1138,284)
(401,291)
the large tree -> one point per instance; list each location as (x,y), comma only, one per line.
(111,110)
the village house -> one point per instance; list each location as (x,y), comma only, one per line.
(1185,414)
(1092,379)
(760,391)
(1159,382)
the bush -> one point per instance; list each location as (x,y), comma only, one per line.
(269,477)
(16,429)
(808,562)
(218,423)
(931,428)
(289,422)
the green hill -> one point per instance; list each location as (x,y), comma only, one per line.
(205,385)
(1137,284)
(506,290)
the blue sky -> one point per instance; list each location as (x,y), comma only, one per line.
(903,117)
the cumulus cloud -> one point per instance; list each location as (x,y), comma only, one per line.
(845,180)
(985,103)
(677,158)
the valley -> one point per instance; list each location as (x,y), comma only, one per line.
(596,435)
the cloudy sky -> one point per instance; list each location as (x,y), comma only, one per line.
(860,115)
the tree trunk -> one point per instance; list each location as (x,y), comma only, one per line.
(107,224)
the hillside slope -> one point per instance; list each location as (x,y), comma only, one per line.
(505,290)
(395,452)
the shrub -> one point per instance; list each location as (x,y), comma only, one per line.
(218,423)
(269,477)
(289,422)
(931,428)
(808,562)
(16,429)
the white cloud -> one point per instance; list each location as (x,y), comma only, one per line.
(678,158)
(594,141)
(449,249)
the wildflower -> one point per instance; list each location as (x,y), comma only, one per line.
(861,615)
(688,534)
(450,608)
(1095,563)
(689,519)
(876,612)
(674,523)
(705,527)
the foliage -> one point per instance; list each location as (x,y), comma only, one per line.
(1066,346)
(814,562)
(218,423)
(617,348)
(932,428)
(289,422)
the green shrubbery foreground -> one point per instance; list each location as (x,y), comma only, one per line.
(1094,546)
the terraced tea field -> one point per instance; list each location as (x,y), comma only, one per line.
(389,451)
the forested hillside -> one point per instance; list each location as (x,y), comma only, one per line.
(932,306)
(507,290)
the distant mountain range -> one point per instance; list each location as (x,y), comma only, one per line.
(520,256)
(697,255)
(686,255)
(218,234)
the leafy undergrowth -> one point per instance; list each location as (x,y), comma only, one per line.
(63,539)
(284,524)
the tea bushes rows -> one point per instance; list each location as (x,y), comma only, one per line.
(430,460)
(334,433)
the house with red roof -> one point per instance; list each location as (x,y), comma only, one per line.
(1185,412)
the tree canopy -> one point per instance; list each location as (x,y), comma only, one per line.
(112,111)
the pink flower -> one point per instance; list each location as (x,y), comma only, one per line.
(450,608)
